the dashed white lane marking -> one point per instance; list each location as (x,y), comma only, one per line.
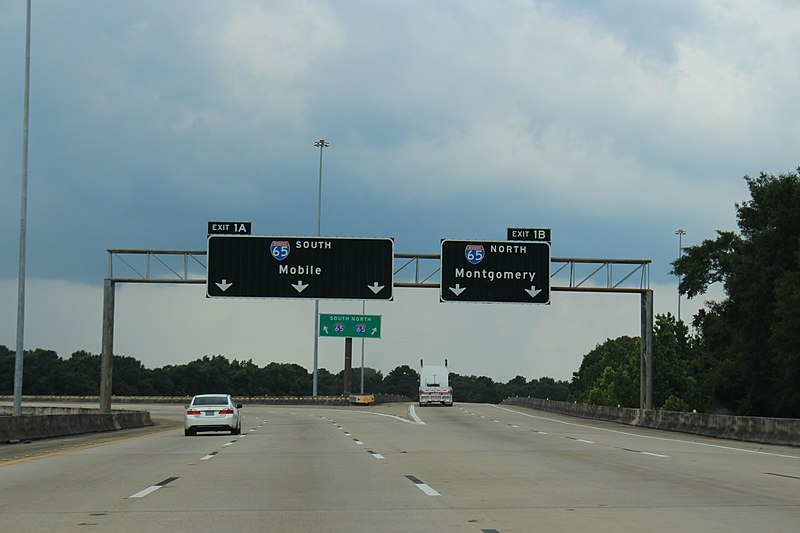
(145,492)
(653,454)
(358,442)
(376,455)
(153,488)
(209,456)
(424,487)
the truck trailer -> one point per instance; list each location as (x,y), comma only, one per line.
(434,385)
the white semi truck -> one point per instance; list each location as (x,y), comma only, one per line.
(434,386)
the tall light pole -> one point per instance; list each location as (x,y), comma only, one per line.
(680,233)
(23,225)
(322,143)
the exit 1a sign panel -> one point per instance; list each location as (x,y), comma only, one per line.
(300,267)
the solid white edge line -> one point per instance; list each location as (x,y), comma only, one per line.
(413,414)
(730,448)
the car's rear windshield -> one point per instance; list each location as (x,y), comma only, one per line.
(211,400)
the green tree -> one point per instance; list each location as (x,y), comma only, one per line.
(373,380)
(517,386)
(6,370)
(749,340)
(130,377)
(403,380)
(609,374)
(675,367)
(42,370)
(328,384)
(785,343)
(548,388)
(286,379)
(477,389)
(81,375)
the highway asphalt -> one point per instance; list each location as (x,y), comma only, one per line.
(472,467)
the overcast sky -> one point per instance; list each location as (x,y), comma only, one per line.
(612,122)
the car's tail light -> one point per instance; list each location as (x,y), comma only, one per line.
(226,411)
(192,412)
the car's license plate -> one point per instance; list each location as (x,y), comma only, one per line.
(209,413)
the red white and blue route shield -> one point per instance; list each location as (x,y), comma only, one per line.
(474,253)
(280,249)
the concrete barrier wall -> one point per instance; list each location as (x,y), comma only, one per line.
(183,400)
(40,423)
(47,421)
(782,431)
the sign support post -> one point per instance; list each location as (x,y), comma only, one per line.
(348,364)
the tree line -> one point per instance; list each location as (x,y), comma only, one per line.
(46,373)
(743,356)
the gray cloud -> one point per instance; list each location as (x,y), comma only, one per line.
(612,123)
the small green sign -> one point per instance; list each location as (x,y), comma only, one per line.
(358,326)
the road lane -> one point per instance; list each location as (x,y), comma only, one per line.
(471,467)
(597,471)
(291,470)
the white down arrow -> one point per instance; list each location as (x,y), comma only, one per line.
(533,291)
(458,289)
(375,287)
(299,286)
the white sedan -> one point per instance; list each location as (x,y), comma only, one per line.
(212,412)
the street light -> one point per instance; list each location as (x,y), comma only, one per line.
(322,143)
(23,223)
(680,233)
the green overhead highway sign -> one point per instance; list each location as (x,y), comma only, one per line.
(358,326)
